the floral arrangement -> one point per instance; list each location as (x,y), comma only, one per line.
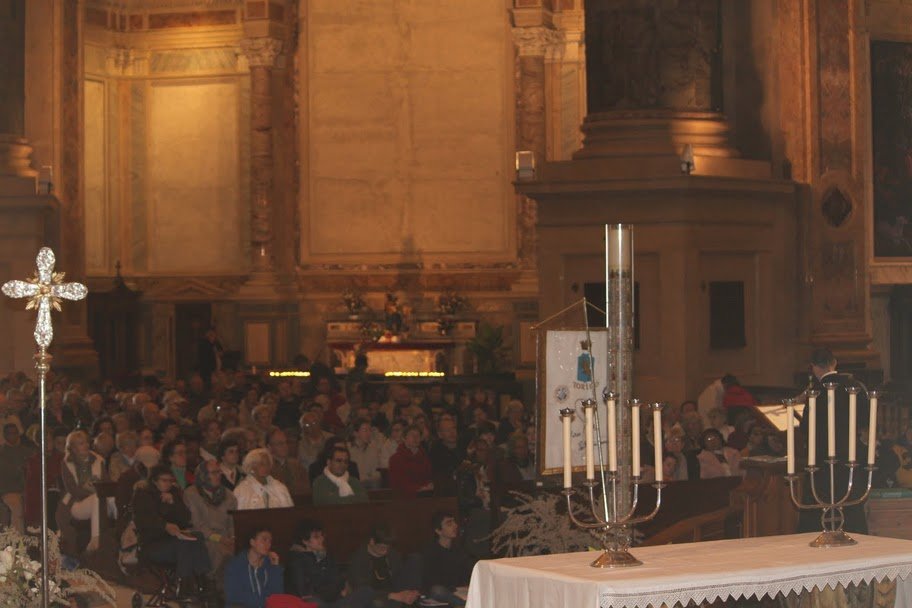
(537,525)
(371,331)
(353,301)
(20,574)
(449,304)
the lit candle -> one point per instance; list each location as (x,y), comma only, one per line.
(790,435)
(568,465)
(590,462)
(612,435)
(853,422)
(872,429)
(657,439)
(811,413)
(635,431)
(831,419)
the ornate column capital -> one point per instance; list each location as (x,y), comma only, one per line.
(261,52)
(538,41)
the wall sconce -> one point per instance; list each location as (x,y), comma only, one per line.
(46,180)
(525,165)
(687,159)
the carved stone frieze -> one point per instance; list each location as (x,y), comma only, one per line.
(538,41)
(142,5)
(366,280)
(187,288)
(126,61)
(260,52)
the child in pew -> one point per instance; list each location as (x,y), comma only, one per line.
(314,576)
(253,575)
(379,567)
(445,564)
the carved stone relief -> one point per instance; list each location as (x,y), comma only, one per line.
(652,55)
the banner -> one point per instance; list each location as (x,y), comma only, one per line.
(571,367)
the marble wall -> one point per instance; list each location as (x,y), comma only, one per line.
(194,194)
(409,134)
(166,159)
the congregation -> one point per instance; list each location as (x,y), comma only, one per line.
(182,458)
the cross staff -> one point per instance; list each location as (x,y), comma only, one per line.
(44,291)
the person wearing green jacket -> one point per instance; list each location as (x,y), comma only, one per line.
(335,486)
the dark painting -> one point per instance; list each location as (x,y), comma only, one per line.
(891,109)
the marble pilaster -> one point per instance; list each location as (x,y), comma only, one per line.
(261,55)
(533,45)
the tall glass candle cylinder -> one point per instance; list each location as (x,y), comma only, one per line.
(619,282)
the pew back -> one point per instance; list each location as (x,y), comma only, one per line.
(347,526)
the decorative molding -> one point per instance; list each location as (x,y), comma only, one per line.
(376,280)
(155,5)
(187,288)
(261,52)
(538,41)
(126,61)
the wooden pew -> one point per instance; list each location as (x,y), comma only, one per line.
(347,526)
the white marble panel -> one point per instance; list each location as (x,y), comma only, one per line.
(193,177)
(409,138)
(96,191)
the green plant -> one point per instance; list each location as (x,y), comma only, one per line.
(488,347)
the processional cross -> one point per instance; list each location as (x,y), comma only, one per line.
(45,291)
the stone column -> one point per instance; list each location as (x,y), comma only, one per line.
(533,45)
(15,153)
(261,54)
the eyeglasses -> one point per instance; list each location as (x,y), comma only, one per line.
(340,460)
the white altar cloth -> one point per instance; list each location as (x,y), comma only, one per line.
(695,571)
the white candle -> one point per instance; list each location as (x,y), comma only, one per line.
(657,439)
(853,424)
(635,450)
(872,431)
(568,465)
(812,429)
(612,436)
(590,462)
(790,435)
(831,422)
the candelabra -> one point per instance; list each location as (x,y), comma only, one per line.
(616,519)
(832,516)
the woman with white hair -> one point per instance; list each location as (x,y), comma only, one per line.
(259,490)
(81,469)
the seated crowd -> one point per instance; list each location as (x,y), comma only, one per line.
(176,461)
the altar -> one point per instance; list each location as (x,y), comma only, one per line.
(698,572)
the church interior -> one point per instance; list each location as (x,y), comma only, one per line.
(401,195)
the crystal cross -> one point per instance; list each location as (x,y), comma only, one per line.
(45,290)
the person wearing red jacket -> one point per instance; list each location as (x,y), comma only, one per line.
(410,467)
(736,400)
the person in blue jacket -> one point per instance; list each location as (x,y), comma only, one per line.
(253,575)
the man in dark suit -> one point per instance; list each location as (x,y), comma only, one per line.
(823,368)
(210,355)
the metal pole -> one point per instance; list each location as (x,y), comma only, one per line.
(43,366)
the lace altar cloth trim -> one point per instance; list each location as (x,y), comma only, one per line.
(697,571)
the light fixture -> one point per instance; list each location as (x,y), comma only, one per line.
(525,165)
(687,159)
